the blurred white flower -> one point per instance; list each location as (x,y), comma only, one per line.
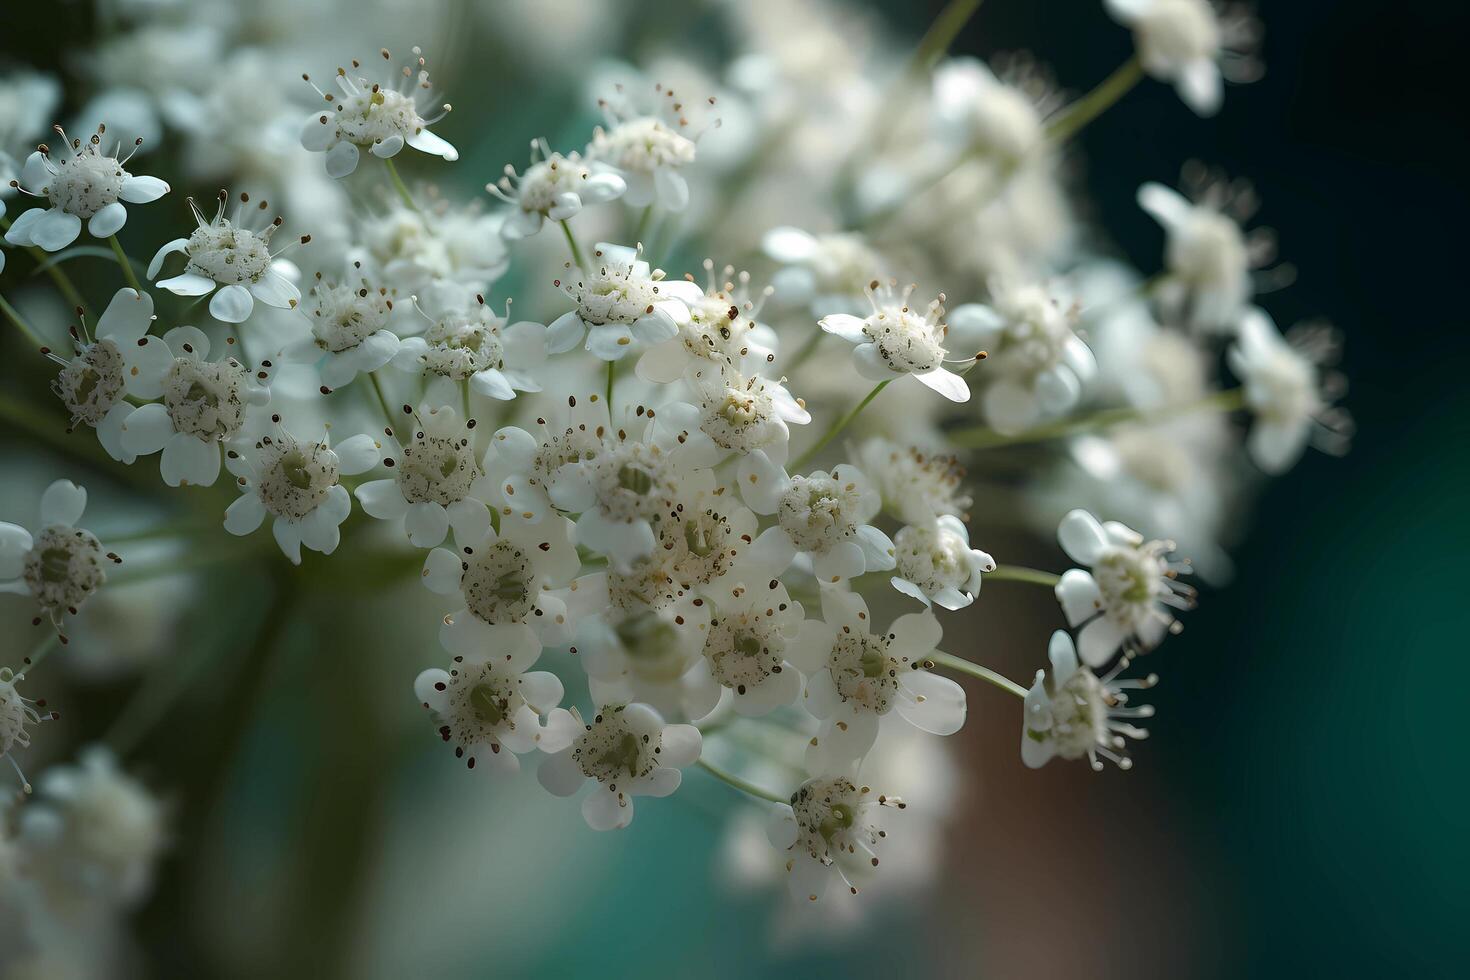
(1284,388)
(1191,43)
(917,487)
(830,273)
(647,146)
(553,188)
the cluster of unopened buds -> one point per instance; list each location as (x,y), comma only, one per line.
(628,477)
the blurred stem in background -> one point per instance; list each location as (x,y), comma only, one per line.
(1071,120)
(981,437)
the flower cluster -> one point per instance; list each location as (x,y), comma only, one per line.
(675,492)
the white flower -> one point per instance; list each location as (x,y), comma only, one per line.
(349,331)
(376,115)
(17,713)
(620,300)
(831,829)
(115,361)
(28,100)
(89,184)
(994,118)
(414,250)
(917,487)
(702,533)
(527,467)
(553,188)
(505,577)
(896,341)
(639,638)
(855,677)
(1074,713)
(825,515)
(437,483)
(297,483)
(1285,390)
(734,414)
(61,565)
(1127,594)
(233,254)
(746,645)
(491,707)
(204,406)
(935,563)
(1189,43)
(721,329)
(1036,366)
(105,829)
(1208,256)
(628,751)
(830,273)
(647,150)
(471,343)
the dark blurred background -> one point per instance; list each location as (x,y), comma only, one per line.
(1301,805)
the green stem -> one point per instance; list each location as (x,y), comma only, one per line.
(399,185)
(745,787)
(1067,123)
(611,366)
(832,433)
(572,245)
(962,666)
(644,220)
(42,650)
(1020,573)
(981,437)
(122,260)
(13,315)
(382,399)
(941,34)
(805,352)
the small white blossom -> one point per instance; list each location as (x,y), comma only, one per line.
(17,714)
(379,115)
(61,564)
(512,576)
(1036,365)
(233,254)
(88,184)
(204,407)
(415,250)
(470,343)
(647,150)
(492,707)
(935,563)
(856,676)
(1000,120)
(1126,597)
(896,341)
(825,515)
(917,487)
(553,188)
(1074,713)
(734,414)
(1190,44)
(1286,390)
(746,645)
(831,829)
(721,330)
(830,273)
(628,751)
(619,301)
(349,330)
(297,483)
(115,361)
(437,482)
(528,467)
